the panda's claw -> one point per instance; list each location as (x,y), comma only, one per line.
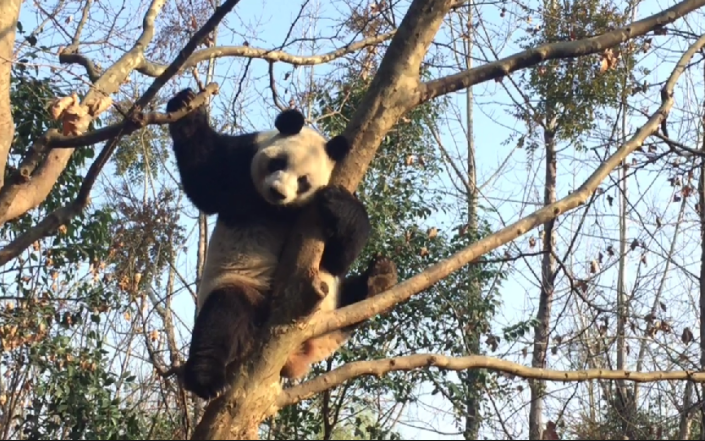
(179,100)
(196,118)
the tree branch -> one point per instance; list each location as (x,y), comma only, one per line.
(379,368)
(27,189)
(153,69)
(553,51)
(62,215)
(403,291)
(139,120)
(69,56)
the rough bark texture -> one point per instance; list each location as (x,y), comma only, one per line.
(8,26)
(686,421)
(543,316)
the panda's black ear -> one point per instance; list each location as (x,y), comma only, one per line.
(289,122)
(338,148)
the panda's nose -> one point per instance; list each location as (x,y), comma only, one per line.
(276,194)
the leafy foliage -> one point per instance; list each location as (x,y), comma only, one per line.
(59,379)
(568,95)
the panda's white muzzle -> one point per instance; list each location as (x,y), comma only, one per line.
(280,187)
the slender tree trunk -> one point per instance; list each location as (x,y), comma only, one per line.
(624,398)
(472,386)
(541,330)
(685,419)
(8,26)
(701,206)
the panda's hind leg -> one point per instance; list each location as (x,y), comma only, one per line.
(223,333)
(381,274)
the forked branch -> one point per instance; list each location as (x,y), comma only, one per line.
(154,69)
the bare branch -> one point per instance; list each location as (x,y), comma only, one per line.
(153,69)
(68,56)
(379,368)
(57,140)
(403,291)
(553,51)
(62,215)
(23,193)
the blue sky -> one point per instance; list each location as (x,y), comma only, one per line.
(515,192)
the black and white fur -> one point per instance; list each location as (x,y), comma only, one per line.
(257,184)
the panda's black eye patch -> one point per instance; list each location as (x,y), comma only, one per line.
(277,164)
(304,184)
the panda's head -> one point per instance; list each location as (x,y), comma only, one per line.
(294,161)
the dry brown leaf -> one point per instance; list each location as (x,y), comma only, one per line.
(593,267)
(687,336)
(608,60)
(604,65)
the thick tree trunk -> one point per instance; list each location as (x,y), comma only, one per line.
(8,26)
(541,331)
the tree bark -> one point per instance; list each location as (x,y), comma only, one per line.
(8,26)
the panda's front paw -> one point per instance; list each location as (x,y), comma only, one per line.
(382,275)
(182,99)
(205,378)
(339,210)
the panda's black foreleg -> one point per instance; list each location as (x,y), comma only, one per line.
(198,157)
(347,228)
(380,275)
(224,331)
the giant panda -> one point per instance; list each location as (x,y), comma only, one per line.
(257,184)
